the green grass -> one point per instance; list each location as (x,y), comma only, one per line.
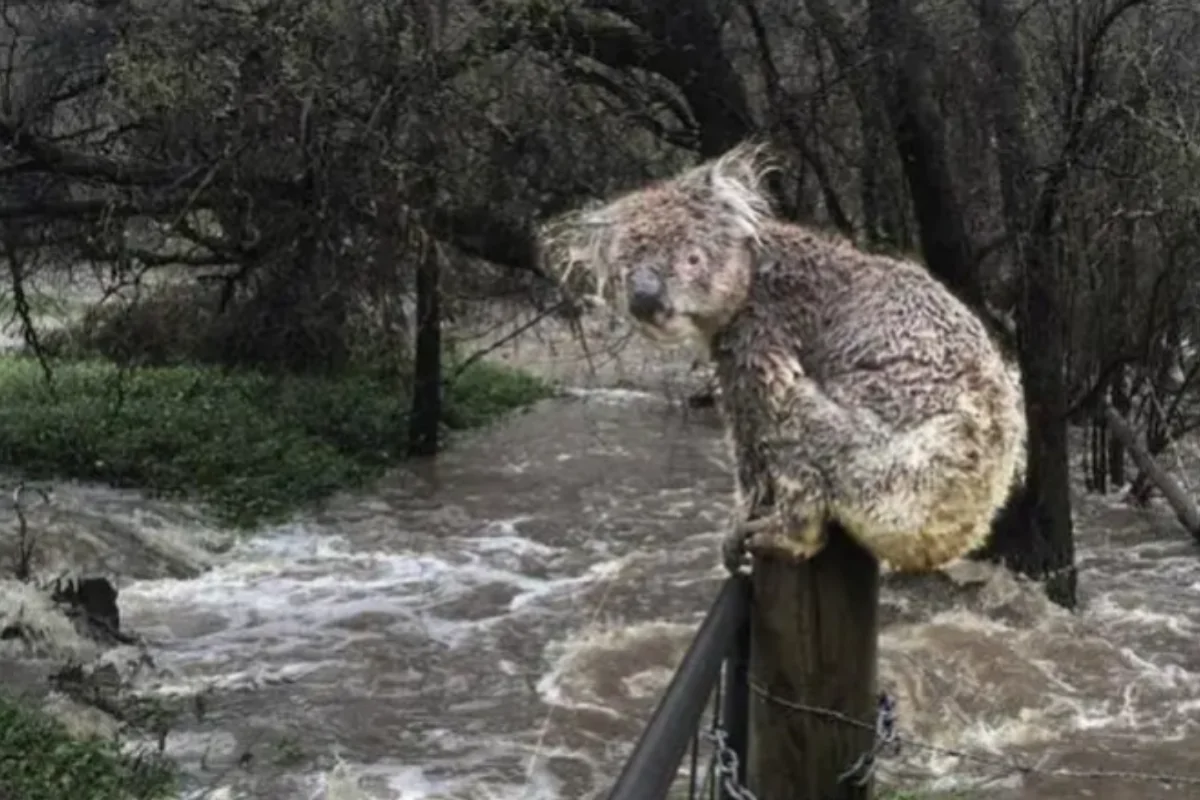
(39,760)
(254,448)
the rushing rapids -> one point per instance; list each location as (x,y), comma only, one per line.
(498,624)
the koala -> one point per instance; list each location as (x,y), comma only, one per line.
(855,388)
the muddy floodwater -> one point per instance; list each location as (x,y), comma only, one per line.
(499,624)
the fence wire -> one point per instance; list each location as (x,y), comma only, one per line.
(891,742)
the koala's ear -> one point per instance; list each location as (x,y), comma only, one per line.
(573,248)
(747,164)
(735,182)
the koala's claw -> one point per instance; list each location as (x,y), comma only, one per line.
(774,536)
(733,550)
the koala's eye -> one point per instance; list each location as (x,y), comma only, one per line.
(694,259)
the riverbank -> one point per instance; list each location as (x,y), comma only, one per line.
(252,448)
(249,449)
(40,759)
(202,453)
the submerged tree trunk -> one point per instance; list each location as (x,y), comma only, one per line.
(426,414)
(1118,389)
(1034,534)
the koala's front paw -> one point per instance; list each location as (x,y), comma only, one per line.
(733,550)
(784,536)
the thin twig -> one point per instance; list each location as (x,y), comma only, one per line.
(25,542)
(503,340)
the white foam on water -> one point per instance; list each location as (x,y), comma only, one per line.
(44,626)
(216,748)
(393,780)
(291,589)
(297,583)
(82,520)
(251,678)
(282,606)
(1054,683)
(615,397)
(577,664)
(1107,610)
(214,793)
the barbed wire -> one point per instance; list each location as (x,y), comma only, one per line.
(888,737)
(724,761)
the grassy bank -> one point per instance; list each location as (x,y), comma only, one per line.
(39,760)
(250,446)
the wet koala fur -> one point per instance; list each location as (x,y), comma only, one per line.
(855,387)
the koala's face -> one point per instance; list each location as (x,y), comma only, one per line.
(677,256)
(681,270)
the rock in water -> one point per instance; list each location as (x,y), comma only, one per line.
(37,626)
(92,603)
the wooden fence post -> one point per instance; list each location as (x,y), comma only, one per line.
(814,642)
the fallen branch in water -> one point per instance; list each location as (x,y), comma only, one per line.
(26,542)
(1181,503)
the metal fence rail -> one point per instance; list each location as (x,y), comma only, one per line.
(722,640)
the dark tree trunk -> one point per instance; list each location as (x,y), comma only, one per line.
(880,184)
(1121,322)
(1097,467)
(693,57)
(1034,533)
(904,54)
(427,365)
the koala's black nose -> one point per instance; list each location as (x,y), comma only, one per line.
(645,305)
(647,295)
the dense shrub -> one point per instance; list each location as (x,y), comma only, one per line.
(255,447)
(187,323)
(39,760)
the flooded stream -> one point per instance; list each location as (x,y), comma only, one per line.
(499,623)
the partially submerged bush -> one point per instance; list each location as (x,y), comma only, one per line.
(485,391)
(193,323)
(255,447)
(172,325)
(39,760)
